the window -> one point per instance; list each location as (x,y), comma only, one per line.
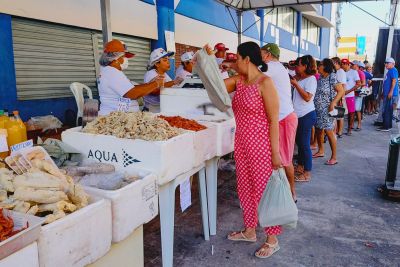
(309,31)
(287,19)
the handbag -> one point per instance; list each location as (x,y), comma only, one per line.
(338,111)
(277,206)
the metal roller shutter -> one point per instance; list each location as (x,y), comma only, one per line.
(49,57)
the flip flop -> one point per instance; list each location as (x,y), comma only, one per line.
(317,156)
(241,238)
(314,148)
(331,163)
(274,248)
(304,179)
(357,129)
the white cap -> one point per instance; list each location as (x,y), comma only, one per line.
(188,56)
(389,60)
(158,54)
(361,64)
(355,62)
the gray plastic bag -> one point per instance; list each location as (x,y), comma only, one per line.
(207,69)
(276,206)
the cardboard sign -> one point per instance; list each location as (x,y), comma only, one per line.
(186,194)
(3,140)
(124,104)
(22,145)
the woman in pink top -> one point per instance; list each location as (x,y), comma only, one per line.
(256,109)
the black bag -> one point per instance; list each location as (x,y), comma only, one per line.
(338,111)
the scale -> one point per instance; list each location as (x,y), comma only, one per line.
(191,98)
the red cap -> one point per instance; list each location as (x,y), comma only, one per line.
(117,46)
(220,47)
(345,61)
(230,57)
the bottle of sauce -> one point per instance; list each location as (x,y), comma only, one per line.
(3,120)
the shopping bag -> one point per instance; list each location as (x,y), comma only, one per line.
(277,206)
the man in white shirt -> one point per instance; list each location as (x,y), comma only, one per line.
(341,78)
(185,69)
(287,117)
(352,83)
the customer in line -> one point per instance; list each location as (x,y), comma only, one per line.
(352,84)
(287,117)
(256,109)
(355,65)
(158,66)
(390,94)
(303,102)
(328,94)
(341,78)
(115,89)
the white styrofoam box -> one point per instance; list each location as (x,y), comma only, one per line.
(226,128)
(167,159)
(204,141)
(189,101)
(132,205)
(79,238)
(26,257)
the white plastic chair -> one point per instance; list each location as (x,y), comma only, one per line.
(77,90)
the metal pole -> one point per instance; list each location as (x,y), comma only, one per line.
(261,14)
(393,14)
(106,20)
(240,26)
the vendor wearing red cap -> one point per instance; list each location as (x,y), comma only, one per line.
(220,54)
(116,91)
(158,66)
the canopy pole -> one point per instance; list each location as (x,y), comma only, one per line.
(106,21)
(240,26)
(393,14)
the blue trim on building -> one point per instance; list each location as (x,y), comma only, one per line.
(151,2)
(165,22)
(8,86)
(216,14)
(325,33)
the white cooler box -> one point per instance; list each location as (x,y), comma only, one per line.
(79,238)
(26,257)
(226,128)
(189,101)
(167,159)
(204,141)
(132,205)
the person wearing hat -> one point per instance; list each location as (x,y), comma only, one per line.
(116,91)
(185,69)
(352,83)
(287,117)
(158,66)
(220,54)
(390,94)
(358,98)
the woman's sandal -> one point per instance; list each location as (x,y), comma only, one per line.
(269,248)
(316,155)
(242,237)
(331,162)
(301,178)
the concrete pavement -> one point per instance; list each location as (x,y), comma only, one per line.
(343,221)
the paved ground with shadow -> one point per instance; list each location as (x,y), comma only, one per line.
(343,220)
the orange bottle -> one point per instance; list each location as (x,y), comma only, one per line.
(16,129)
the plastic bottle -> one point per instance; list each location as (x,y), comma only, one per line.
(16,129)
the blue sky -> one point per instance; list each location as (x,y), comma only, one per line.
(355,21)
